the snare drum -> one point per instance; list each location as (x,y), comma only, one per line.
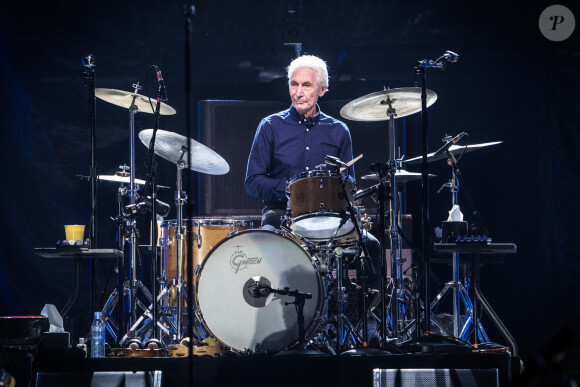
(206,234)
(230,309)
(317,204)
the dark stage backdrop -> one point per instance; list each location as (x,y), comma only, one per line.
(510,84)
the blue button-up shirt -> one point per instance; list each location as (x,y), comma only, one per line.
(287,144)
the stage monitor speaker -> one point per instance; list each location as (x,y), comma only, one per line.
(99,379)
(228,127)
(436,377)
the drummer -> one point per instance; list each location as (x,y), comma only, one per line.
(294,140)
(297,140)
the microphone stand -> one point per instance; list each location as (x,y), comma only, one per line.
(188,12)
(299,301)
(151,188)
(422,70)
(89,74)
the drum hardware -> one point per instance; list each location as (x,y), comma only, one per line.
(341,318)
(174,147)
(388,105)
(135,103)
(364,260)
(460,294)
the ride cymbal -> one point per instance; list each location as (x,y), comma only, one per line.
(173,147)
(125,99)
(373,107)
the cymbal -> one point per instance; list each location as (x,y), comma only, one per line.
(454,149)
(401,176)
(120,179)
(169,145)
(125,98)
(373,107)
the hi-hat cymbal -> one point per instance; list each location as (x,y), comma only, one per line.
(125,98)
(401,176)
(169,145)
(373,107)
(119,179)
(454,149)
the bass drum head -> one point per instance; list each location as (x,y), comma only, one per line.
(228,306)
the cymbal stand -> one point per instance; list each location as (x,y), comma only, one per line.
(400,295)
(134,285)
(180,199)
(395,239)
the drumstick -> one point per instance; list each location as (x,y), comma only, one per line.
(351,162)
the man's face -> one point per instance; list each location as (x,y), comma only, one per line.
(304,91)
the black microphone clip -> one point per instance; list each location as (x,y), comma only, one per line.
(449,143)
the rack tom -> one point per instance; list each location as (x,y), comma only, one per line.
(317,205)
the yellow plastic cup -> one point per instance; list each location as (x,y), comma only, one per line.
(74,232)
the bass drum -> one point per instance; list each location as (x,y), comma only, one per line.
(226,299)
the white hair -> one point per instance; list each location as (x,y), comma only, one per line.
(312,62)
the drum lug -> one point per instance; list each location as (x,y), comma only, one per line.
(233,232)
(198,239)
(322,204)
(321,184)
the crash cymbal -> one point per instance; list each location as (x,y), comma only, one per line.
(401,176)
(125,98)
(169,146)
(454,149)
(373,107)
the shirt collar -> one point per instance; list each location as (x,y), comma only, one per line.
(300,118)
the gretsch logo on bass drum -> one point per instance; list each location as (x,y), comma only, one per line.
(239,260)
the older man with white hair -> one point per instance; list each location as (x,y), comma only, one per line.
(297,140)
(294,140)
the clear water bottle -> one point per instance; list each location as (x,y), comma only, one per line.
(98,336)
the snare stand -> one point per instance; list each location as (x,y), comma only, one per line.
(341,318)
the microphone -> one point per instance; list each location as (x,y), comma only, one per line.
(89,61)
(365,192)
(448,144)
(161,82)
(260,290)
(335,161)
(147,205)
(450,56)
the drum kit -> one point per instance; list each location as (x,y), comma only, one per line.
(246,280)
